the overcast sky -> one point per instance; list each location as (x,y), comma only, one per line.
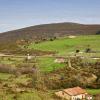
(16,14)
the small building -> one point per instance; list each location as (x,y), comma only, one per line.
(75,93)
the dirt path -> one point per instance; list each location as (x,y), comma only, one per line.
(44,56)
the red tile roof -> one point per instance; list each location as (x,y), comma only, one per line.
(74,91)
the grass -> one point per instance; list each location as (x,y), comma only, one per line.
(34,95)
(10,60)
(93,91)
(23,96)
(5,76)
(48,64)
(66,45)
(22,79)
(29,96)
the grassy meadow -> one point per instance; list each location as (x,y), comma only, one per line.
(67,45)
(93,91)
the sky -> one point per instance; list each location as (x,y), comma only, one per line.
(16,14)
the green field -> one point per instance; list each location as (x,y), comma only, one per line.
(67,45)
(93,91)
(47,64)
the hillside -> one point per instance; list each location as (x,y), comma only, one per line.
(41,76)
(47,31)
(67,45)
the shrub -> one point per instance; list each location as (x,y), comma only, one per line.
(77,51)
(88,50)
(55,37)
(51,39)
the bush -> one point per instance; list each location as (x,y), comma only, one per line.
(77,51)
(55,37)
(51,39)
(88,50)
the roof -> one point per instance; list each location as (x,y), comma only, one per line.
(74,91)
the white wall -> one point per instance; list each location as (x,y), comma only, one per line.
(78,96)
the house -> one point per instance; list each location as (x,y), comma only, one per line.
(75,93)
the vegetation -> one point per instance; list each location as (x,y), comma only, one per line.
(48,64)
(66,45)
(93,91)
(47,31)
(39,77)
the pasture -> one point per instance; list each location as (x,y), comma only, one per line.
(67,45)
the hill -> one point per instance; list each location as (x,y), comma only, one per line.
(49,30)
